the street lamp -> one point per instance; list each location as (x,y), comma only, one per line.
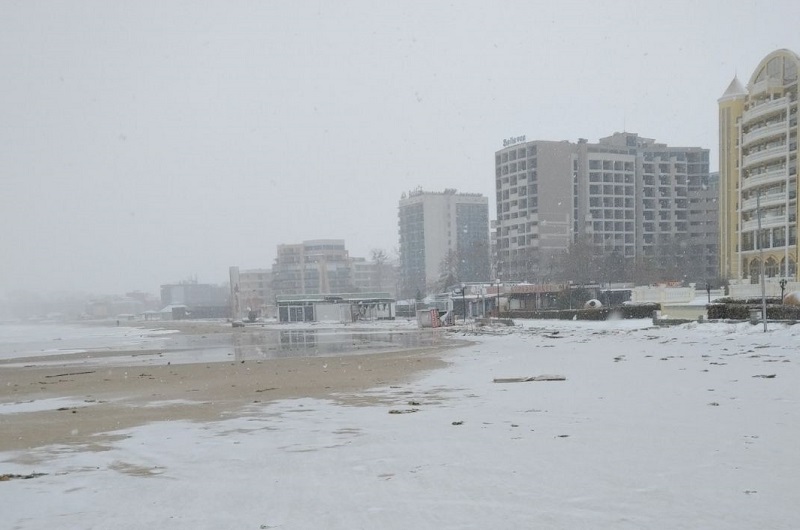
(497,299)
(782,283)
(463,302)
(708,290)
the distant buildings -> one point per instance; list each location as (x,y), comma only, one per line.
(251,290)
(620,207)
(444,239)
(312,267)
(374,276)
(195,300)
(758,171)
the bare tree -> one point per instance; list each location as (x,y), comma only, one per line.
(380,258)
(448,271)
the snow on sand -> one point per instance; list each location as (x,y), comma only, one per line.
(687,427)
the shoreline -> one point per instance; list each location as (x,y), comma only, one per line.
(80,404)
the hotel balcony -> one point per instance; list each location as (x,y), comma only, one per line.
(764,109)
(776,175)
(767,221)
(774,129)
(766,154)
(770,199)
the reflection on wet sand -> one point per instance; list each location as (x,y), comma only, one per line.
(273,344)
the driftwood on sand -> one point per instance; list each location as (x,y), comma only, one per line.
(546,377)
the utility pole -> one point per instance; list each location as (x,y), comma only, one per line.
(761,261)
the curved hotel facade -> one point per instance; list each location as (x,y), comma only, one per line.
(758,171)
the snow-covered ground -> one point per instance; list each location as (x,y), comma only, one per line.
(696,426)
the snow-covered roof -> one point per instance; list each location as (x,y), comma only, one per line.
(734,90)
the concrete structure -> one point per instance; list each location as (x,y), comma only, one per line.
(758,172)
(442,235)
(312,267)
(625,197)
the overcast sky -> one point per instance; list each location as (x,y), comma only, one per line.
(144,143)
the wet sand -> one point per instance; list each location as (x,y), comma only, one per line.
(91,399)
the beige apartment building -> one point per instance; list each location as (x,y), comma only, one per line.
(758,172)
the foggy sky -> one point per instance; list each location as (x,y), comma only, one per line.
(145,142)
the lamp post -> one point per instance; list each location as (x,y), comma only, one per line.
(708,290)
(761,259)
(782,283)
(463,301)
(569,291)
(497,299)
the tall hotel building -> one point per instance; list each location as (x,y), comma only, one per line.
(758,171)
(439,227)
(626,197)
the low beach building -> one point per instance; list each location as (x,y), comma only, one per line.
(343,307)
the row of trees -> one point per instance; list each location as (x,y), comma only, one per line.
(583,263)
(471,264)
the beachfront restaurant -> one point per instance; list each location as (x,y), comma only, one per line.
(339,307)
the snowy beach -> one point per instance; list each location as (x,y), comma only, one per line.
(694,426)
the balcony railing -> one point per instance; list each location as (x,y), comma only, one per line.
(776,175)
(764,109)
(770,199)
(768,221)
(764,132)
(766,154)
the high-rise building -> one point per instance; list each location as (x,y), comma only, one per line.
(320,266)
(758,171)
(444,237)
(625,200)
(534,187)
(703,247)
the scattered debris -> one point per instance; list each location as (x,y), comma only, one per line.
(546,377)
(414,403)
(563,436)
(458,422)
(267,389)
(71,373)
(10,476)
(766,376)
(403,411)
(714,404)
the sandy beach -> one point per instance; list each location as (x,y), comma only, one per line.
(81,401)
(692,426)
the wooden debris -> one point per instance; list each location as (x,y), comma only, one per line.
(546,377)
(9,476)
(71,373)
